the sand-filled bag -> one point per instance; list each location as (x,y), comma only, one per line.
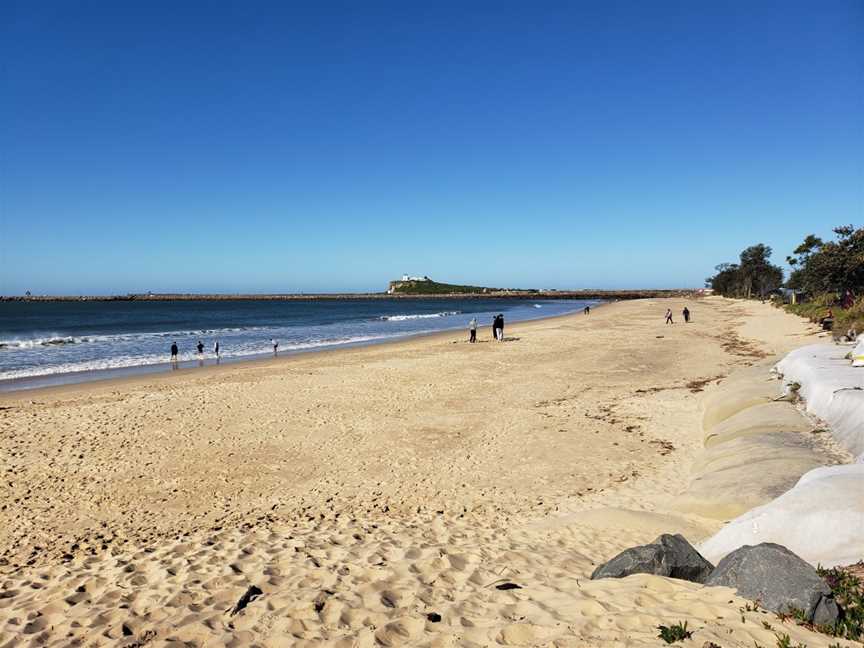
(821,519)
(763,418)
(731,478)
(831,387)
(858,354)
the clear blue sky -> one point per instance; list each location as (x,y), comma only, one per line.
(252,146)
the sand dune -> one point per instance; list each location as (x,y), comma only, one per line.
(426,493)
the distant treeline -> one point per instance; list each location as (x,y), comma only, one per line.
(819,267)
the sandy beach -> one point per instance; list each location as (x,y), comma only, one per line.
(381,495)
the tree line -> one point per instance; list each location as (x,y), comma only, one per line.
(818,267)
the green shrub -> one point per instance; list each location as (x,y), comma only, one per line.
(844,318)
(677,632)
(849,593)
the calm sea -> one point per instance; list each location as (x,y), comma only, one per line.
(46,343)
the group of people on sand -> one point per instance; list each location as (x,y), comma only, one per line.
(685,313)
(497,334)
(497,328)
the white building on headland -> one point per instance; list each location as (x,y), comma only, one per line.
(405,277)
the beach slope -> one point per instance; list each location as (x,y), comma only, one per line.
(426,492)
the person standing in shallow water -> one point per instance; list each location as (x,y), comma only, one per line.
(472,330)
(174,351)
(275,344)
(669,316)
(686,314)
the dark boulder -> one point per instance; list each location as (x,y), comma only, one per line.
(778,579)
(827,611)
(668,555)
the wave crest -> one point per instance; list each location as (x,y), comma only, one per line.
(44,341)
(402,318)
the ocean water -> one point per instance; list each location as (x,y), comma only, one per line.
(44,343)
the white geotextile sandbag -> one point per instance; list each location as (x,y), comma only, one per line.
(858,354)
(832,389)
(820,519)
(830,471)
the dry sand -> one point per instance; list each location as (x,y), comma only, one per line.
(365,492)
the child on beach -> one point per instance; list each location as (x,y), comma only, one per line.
(174,352)
(669,316)
(275,344)
(200,347)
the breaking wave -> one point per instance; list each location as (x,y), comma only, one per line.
(403,318)
(243,351)
(42,341)
(63,340)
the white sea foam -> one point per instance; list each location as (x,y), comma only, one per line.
(48,339)
(47,350)
(51,340)
(240,351)
(403,318)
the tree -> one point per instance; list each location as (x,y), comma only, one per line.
(833,267)
(725,282)
(753,275)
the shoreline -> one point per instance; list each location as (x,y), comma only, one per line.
(366,491)
(163,371)
(60,380)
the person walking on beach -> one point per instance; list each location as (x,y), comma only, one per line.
(499,327)
(174,351)
(686,314)
(669,316)
(472,330)
(587,310)
(495,327)
(275,344)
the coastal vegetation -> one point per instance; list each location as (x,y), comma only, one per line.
(429,287)
(832,274)
(848,591)
(820,267)
(825,274)
(673,633)
(753,276)
(816,307)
